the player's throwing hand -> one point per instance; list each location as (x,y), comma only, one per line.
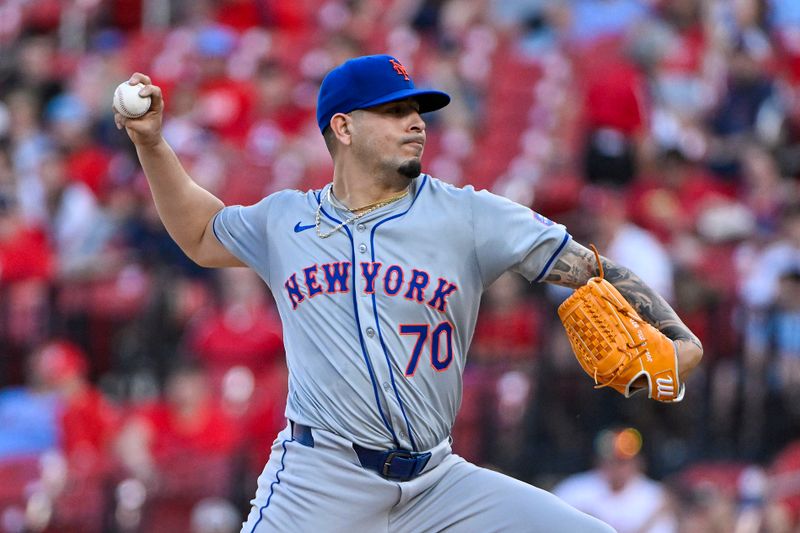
(144,130)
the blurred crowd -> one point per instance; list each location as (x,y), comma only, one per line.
(139,392)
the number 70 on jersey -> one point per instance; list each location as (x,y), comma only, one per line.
(441,345)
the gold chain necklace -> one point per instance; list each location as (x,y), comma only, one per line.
(384,202)
(362,211)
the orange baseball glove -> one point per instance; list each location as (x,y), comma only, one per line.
(615,346)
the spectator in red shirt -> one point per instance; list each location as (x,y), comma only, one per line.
(26,266)
(73,473)
(24,251)
(782,512)
(70,125)
(276,116)
(258,406)
(508,325)
(240,343)
(180,448)
(614,109)
(243,329)
(88,419)
(669,201)
(223,103)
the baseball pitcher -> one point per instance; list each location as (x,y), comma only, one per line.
(378,277)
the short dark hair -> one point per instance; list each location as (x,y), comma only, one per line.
(330,139)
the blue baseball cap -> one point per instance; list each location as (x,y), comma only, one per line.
(369,81)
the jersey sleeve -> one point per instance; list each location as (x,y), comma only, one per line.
(510,236)
(243,232)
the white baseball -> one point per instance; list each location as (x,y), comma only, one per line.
(128,102)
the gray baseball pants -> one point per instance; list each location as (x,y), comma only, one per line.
(324,488)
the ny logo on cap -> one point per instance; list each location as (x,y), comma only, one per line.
(399,68)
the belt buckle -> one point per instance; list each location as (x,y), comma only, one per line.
(387,463)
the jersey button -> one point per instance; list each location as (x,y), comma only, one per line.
(386,385)
(361,227)
(362,248)
(370,332)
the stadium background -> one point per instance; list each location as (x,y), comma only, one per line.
(139,392)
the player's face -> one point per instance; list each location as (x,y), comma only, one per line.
(392,135)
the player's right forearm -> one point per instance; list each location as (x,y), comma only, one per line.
(184,207)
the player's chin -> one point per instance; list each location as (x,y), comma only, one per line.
(410,168)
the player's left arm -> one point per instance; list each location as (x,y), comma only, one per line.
(577,264)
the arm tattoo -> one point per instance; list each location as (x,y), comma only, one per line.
(577,264)
(574,267)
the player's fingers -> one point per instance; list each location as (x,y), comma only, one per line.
(154,92)
(138,77)
(119,120)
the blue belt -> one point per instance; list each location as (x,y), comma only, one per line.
(396,465)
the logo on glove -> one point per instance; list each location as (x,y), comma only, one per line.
(666,387)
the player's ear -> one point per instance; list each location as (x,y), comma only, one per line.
(341,126)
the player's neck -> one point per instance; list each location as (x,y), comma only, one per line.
(355,190)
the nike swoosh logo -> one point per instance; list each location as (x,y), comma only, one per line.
(299,227)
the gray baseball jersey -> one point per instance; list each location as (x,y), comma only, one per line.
(378,317)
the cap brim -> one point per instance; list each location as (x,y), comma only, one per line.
(428,99)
